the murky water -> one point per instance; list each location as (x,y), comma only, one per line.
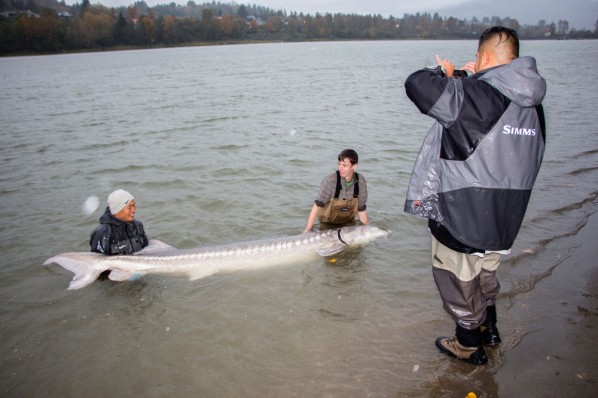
(230,143)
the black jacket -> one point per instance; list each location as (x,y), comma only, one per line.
(114,236)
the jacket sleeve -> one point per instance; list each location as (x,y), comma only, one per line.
(100,240)
(435,95)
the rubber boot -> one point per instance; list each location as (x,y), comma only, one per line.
(490,335)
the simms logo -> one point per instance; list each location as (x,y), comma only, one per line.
(518,131)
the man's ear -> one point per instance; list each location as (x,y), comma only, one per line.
(486,59)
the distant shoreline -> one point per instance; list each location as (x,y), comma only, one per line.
(55,28)
(237,42)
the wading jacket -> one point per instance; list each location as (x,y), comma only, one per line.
(475,171)
(114,236)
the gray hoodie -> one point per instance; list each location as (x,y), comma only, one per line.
(478,163)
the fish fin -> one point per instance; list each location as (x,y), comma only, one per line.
(119,276)
(86,266)
(330,250)
(154,246)
(201,273)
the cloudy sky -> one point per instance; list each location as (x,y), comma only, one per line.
(579,13)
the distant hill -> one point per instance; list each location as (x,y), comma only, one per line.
(16,5)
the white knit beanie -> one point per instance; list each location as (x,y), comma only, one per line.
(118,199)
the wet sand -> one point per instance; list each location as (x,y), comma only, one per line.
(557,355)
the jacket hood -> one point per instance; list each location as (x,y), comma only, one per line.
(519,81)
(108,218)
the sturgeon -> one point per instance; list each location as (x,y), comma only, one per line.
(161,258)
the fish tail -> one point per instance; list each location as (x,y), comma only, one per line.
(86,267)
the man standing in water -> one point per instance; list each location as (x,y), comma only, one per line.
(343,195)
(119,232)
(473,177)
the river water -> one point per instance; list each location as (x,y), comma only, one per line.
(229,143)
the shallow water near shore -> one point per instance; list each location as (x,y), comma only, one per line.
(230,143)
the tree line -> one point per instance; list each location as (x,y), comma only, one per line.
(47,26)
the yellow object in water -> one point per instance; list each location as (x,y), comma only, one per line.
(471,395)
(332,260)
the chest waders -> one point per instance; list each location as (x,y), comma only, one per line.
(340,211)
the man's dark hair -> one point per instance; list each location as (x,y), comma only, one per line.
(504,35)
(348,154)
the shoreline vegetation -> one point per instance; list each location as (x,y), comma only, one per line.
(41,27)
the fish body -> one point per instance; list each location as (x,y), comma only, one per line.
(160,258)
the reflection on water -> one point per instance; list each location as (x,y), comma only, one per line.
(232,147)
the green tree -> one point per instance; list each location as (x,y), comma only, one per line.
(146,26)
(121,30)
(563,27)
(84,7)
(242,13)
(209,25)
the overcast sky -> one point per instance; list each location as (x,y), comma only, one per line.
(579,13)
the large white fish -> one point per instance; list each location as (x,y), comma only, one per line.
(158,257)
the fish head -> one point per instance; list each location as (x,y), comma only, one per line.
(360,234)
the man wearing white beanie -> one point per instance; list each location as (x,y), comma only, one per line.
(119,232)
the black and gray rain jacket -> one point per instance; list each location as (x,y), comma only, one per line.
(114,236)
(474,174)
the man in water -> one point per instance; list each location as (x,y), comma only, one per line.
(473,177)
(342,196)
(119,232)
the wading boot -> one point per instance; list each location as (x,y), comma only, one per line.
(490,336)
(451,347)
(466,346)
